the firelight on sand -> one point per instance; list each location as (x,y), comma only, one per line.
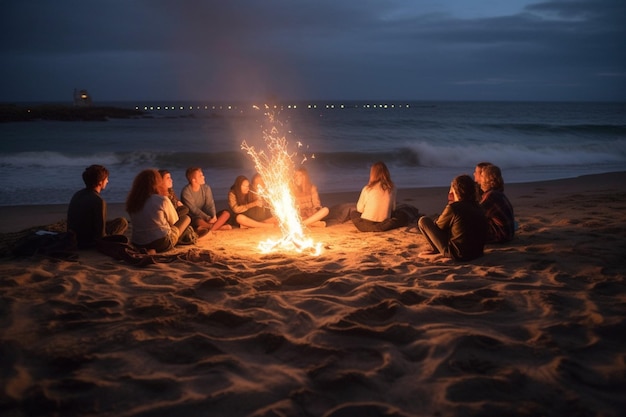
(276,166)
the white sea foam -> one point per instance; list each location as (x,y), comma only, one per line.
(424,144)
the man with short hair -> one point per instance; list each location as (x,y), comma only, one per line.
(197,195)
(87,211)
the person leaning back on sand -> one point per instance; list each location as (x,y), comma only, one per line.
(87,211)
(198,197)
(460,231)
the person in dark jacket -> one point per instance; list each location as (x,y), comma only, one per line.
(497,207)
(460,231)
(87,211)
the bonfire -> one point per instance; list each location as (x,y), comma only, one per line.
(276,166)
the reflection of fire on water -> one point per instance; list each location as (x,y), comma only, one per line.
(276,168)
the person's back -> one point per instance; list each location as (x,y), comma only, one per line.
(497,207)
(500,216)
(86,216)
(156,224)
(86,213)
(468,228)
(154,220)
(376,204)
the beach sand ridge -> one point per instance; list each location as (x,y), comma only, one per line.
(535,327)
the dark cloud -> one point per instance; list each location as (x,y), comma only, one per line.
(194,49)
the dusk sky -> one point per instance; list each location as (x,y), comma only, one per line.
(152,50)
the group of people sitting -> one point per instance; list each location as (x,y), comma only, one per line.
(477,212)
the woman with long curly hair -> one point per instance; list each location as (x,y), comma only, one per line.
(155,222)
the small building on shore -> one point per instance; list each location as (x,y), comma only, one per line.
(82,98)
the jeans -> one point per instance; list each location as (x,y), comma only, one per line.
(437,238)
(397,219)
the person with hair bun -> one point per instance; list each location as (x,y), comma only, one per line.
(461,229)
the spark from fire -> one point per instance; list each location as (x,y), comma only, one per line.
(276,166)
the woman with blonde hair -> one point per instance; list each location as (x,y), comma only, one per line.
(308,200)
(155,222)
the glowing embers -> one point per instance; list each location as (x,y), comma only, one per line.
(275,164)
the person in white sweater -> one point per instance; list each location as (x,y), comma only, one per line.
(376,207)
(155,222)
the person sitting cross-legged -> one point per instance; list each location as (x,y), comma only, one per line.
(198,197)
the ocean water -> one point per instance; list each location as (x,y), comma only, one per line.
(423,143)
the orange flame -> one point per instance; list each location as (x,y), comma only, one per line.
(276,168)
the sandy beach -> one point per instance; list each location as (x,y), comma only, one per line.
(536,327)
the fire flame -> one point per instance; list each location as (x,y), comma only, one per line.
(276,166)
